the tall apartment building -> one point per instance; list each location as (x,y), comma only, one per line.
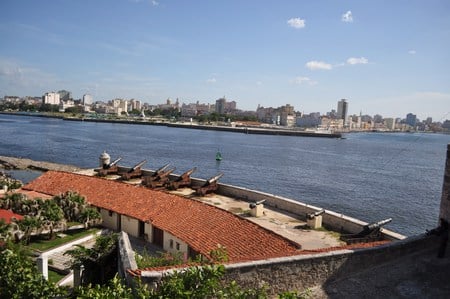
(87,99)
(342,109)
(220,105)
(411,119)
(51,98)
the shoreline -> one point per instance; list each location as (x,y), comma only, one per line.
(242,130)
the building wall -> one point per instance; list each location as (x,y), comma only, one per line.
(51,98)
(148,232)
(109,219)
(174,245)
(130,225)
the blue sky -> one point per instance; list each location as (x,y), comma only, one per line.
(385,57)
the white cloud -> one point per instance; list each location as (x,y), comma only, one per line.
(355,60)
(412,52)
(259,83)
(347,17)
(211,80)
(155,3)
(318,65)
(296,23)
(303,80)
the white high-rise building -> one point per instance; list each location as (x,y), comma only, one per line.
(87,99)
(51,98)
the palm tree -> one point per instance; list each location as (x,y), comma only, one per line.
(51,215)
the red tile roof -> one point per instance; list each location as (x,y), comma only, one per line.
(7,215)
(200,225)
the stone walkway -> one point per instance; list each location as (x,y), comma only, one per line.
(57,259)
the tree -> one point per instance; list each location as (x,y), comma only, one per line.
(98,262)
(51,216)
(20,279)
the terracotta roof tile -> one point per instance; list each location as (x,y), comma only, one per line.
(200,225)
(7,215)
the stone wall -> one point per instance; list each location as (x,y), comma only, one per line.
(297,273)
(445,199)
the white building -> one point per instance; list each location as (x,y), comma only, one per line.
(87,99)
(51,98)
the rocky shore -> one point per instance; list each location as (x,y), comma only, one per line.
(24,163)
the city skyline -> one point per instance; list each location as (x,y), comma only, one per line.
(387,58)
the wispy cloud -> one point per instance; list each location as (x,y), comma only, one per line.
(155,3)
(355,60)
(347,17)
(303,80)
(296,23)
(21,78)
(412,52)
(211,80)
(318,65)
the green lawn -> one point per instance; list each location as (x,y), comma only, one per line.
(54,276)
(42,244)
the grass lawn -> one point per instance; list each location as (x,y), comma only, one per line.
(54,276)
(42,244)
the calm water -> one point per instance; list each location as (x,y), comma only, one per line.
(367,176)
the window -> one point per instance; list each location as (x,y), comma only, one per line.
(171,243)
(110,213)
(178,246)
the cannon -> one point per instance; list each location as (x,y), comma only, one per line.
(257,208)
(370,233)
(133,172)
(315,214)
(209,186)
(111,168)
(183,180)
(159,178)
(256,203)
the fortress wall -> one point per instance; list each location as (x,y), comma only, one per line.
(306,271)
(445,199)
(302,272)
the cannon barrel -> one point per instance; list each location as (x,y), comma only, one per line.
(137,166)
(378,224)
(114,162)
(167,172)
(161,169)
(315,214)
(214,178)
(189,172)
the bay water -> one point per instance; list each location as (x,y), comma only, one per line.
(369,176)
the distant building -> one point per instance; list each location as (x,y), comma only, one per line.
(135,105)
(87,99)
(389,123)
(65,95)
(342,109)
(220,105)
(51,98)
(308,121)
(411,119)
(287,115)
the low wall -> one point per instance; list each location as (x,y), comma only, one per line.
(298,273)
(126,260)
